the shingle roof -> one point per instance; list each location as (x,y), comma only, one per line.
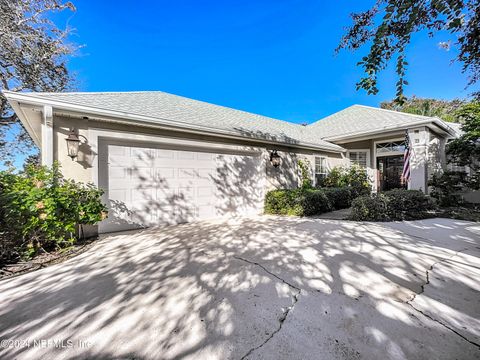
(160,107)
(187,112)
(359,119)
(457,127)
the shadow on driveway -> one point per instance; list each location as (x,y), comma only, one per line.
(265,287)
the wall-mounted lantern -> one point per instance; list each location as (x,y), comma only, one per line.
(275,158)
(73,142)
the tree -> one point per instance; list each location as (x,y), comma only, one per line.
(389,25)
(465,150)
(33,56)
(443,109)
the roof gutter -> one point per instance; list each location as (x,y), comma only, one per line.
(126,118)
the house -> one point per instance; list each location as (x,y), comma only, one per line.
(166,159)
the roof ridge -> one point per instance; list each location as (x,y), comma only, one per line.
(92,92)
(394,111)
(331,116)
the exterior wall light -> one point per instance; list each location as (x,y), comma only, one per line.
(275,159)
(73,142)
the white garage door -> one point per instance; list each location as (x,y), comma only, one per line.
(153,186)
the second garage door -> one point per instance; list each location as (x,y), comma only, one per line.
(150,186)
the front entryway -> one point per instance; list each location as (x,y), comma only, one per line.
(389,172)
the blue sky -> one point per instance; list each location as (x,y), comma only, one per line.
(271,57)
(274,58)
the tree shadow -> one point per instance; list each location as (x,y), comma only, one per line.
(188,291)
(144,191)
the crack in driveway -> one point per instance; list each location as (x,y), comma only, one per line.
(444,325)
(427,272)
(427,282)
(282,318)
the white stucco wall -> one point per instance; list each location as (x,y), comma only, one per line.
(79,169)
(419,142)
(85,167)
(436,154)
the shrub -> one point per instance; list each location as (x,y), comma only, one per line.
(408,204)
(40,211)
(283,202)
(392,205)
(370,208)
(353,177)
(306,202)
(305,166)
(446,187)
(339,198)
(314,202)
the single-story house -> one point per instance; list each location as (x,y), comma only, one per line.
(166,159)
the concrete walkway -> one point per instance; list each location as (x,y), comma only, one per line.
(260,288)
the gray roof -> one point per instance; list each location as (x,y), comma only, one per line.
(457,127)
(358,119)
(163,108)
(186,112)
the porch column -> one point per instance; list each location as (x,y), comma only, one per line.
(47,136)
(419,138)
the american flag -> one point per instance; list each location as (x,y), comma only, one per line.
(406,160)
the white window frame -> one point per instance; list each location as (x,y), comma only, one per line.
(389,153)
(367,151)
(326,167)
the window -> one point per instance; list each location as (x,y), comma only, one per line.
(358,158)
(320,169)
(396,147)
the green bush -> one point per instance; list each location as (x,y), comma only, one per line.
(339,198)
(447,186)
(372,207)
(314,202)
(408,204)
(283,202)
(305,167)
(392,205)
(306,202)
(353,177)
(40,211)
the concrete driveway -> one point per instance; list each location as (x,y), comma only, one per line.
(259,288)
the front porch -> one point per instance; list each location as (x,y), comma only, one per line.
(382,155)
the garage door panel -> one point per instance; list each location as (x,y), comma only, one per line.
(164,173)
(206,174)
(186,192)
(205,156)
(119,195)
(154,186)
(114,150)
(165,193)
(164,154)
(142,194)
(206,212)
(118,173)
(187,173)
(185,155)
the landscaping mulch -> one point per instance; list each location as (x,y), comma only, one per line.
(44,260)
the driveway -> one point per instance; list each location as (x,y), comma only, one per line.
(257,288)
